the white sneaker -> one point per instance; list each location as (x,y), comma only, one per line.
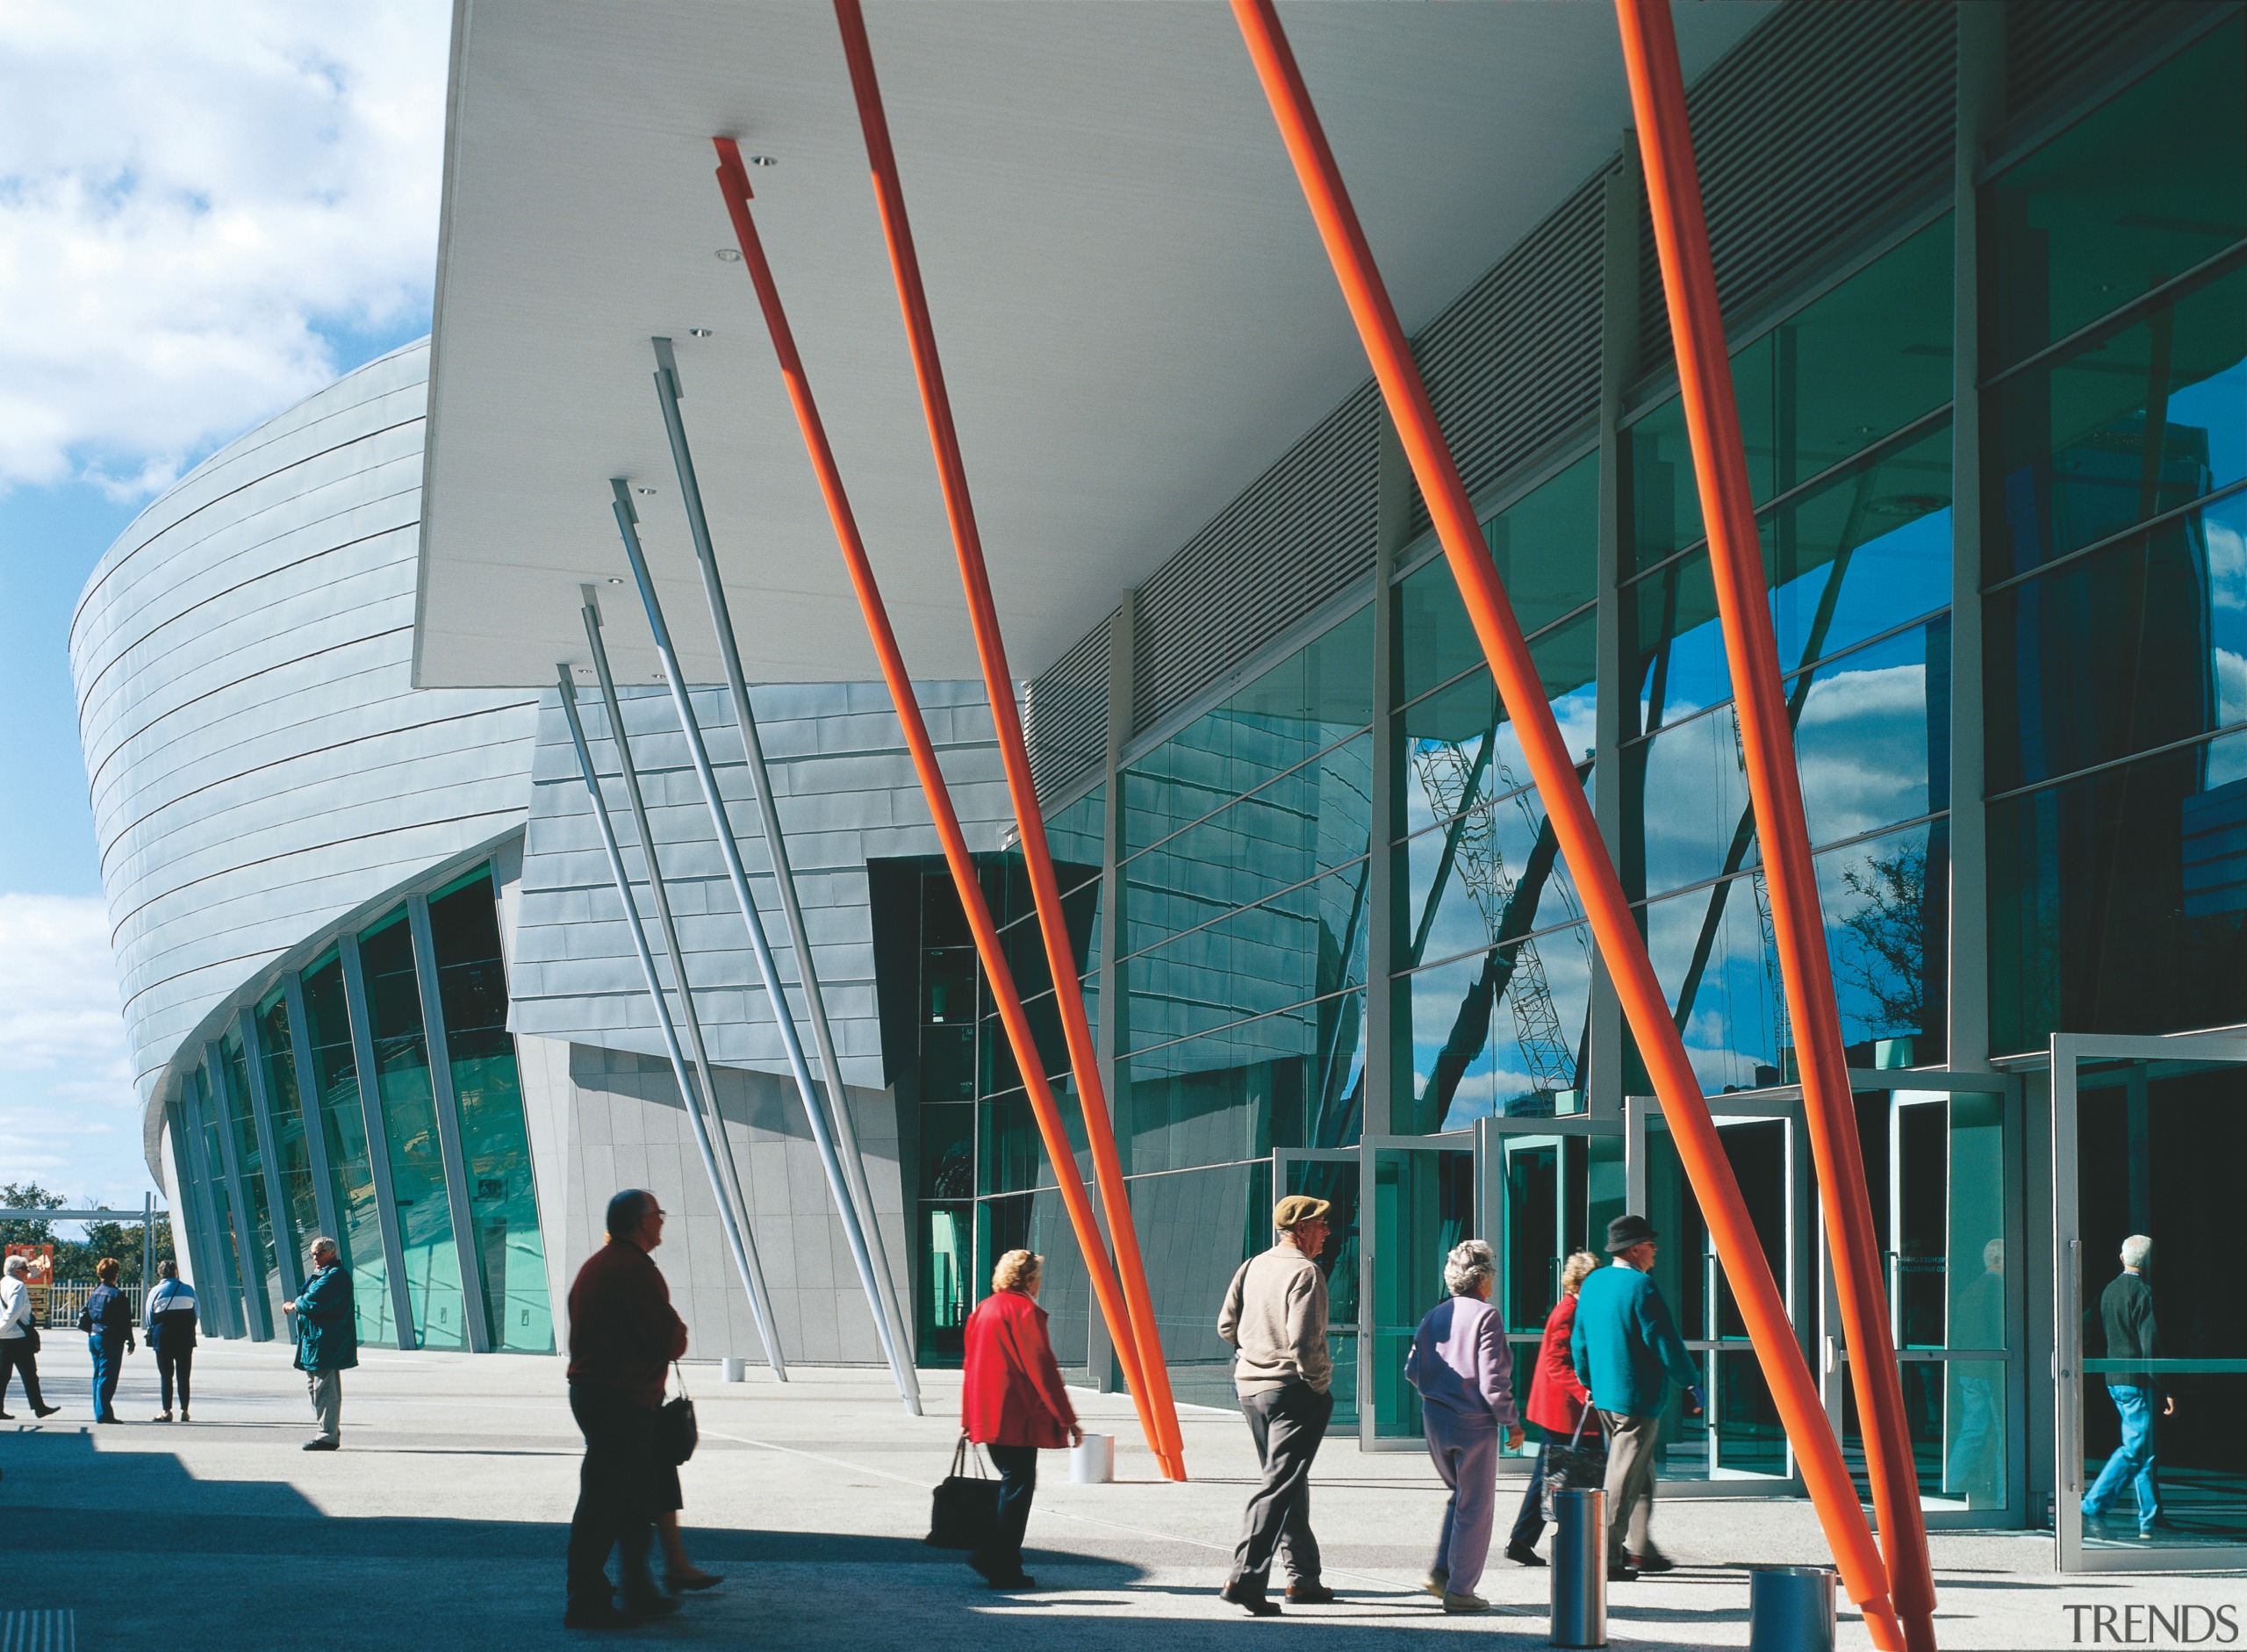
(1464,1603)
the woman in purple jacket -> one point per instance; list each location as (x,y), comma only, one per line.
(1464,1370)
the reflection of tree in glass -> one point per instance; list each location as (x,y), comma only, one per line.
(1887,957)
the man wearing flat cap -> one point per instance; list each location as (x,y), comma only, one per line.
(1627,1352)
(1275,1315)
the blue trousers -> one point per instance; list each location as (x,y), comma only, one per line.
(2133,1459)
(1467,1457)
(109,1365)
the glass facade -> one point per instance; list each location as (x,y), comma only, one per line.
(314,1030)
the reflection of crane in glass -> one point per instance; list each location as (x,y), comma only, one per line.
(1453,784)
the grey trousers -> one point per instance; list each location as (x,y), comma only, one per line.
(1287,1423)
(1630,1485)
(326,1390)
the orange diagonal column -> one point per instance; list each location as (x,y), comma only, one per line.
(1681,236)
(733,182)
(1605,906)
(998,683)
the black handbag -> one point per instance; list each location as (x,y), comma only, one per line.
(676,1434)
(965,1511)
(1574,1466)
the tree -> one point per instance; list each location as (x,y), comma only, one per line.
(27,1195)
(1889,935)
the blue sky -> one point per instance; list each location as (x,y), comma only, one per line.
(206,214)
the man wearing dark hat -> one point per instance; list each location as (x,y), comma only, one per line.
(1275,1315)
(1627,1352)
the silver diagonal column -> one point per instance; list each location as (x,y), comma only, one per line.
(738,1240)
(628,523)
(669,391)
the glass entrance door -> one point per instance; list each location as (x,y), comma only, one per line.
(1332,1174)
(1422,1204)
(1739,1437)
(2148,1137)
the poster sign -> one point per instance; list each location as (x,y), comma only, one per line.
(38,1274)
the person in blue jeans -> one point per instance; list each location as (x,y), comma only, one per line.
(2126,1309)
(107,1321)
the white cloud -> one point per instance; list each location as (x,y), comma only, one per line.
(189,197)
(69,1116)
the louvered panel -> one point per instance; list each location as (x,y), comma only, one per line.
(1825,119)
(2048,42)
(1297,537)
(1064,716)
(1515,359)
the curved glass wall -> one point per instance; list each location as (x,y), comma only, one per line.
(359,1044)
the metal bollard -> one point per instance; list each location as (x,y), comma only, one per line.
(1791,1609)
(1092,1460)
(734,1370)
(1580,1568)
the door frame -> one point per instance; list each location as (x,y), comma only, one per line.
(1368,1175)
(2068,1050)
(1281,1158)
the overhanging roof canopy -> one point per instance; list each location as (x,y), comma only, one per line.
(1135,314)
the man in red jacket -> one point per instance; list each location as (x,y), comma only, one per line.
(1011,1400)
(623,1335)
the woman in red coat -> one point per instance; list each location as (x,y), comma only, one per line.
(1556,1401)
(1012,1401)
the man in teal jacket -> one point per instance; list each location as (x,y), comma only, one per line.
(1627,1352)
(327,1340)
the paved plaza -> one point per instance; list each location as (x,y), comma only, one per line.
(441,1523)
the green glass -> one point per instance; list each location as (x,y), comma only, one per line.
(1311,820)
(1335,1182)
(277,1043)
(1293,1079)
(943,1283)
(1459,747)
(1196,1227)
(1498,1032)
(1837,377)
(1319,695)
(947,1152)
(1545,549)
(1423,1204)
(233,1259)
(1077,837)
(2116,901)
(487,1093)
(1306,943)
(2132,423)
(344,1121)
(417,1172)
(1039,1222)
(261,1275)
(2149,184)
(1856,557)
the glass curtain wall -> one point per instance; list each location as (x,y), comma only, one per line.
(234,1263)
(277,1044)
(1844,406)
(2116,564)
(261,1274)
(344,1126)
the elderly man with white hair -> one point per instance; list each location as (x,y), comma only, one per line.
(19,1339)
(1464,1370)
(2126,1310)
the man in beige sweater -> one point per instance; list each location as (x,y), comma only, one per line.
(1275,1315)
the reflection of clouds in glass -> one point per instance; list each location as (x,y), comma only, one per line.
(2231,686)
(1862,747)
(1499,1075)
(2227,563)
(2227,761)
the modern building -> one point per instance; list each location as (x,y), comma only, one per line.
(1981,268)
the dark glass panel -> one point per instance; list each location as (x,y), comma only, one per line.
(1317,696)
(487,1093)
(1039,1222)
(2143,188)
(261,1275)
(2113,434)
(1195,1229)
(947,1152)
(941,1291)
(1852,367)
(1076,838)
(1289,1080)
(343,1120)
(276,1041)
(2116,900)
(1546,549)
(1461,747)
(2137,646)
(1495,1033)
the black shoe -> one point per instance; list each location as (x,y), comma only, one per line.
(1652,1563)
(1622,1574)
(1522,1555)
(45,1410)
(1248,1594)
(1310,1594)
(649,1605)
(1020,1580)
(7,1417)
(322,1445)
(599,1614)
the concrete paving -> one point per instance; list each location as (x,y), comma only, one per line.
(441,1523)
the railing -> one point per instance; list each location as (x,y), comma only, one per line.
(66,1299)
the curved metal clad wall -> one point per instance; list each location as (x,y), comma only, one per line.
(259,762)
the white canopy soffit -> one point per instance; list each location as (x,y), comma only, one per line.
(1135,314)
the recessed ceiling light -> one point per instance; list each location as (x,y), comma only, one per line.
(616,579)
(761,160)
(645,492)
(729,255)
(700,333)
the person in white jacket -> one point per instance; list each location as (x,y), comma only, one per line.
(19,1340)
